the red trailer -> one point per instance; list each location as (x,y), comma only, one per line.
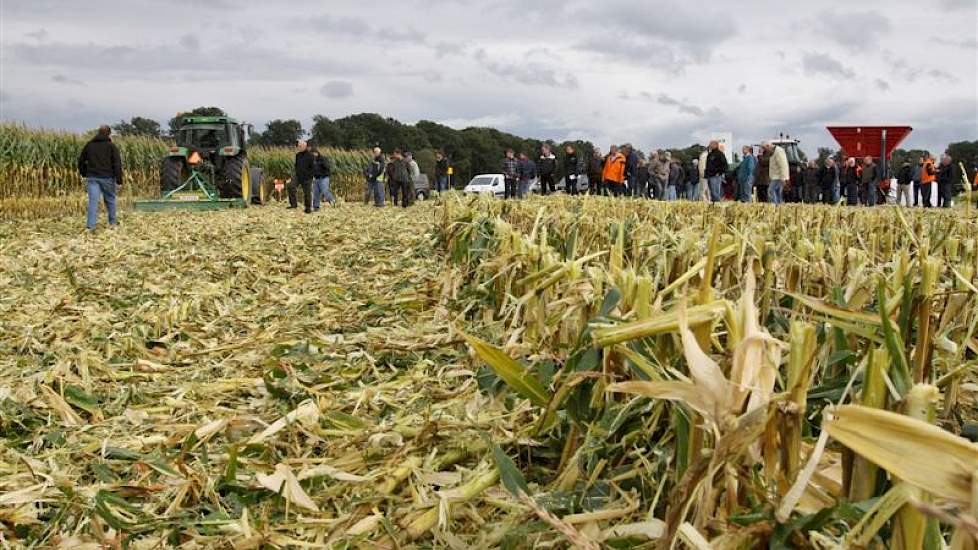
(873,141)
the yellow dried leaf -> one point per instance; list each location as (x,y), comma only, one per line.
(932,459)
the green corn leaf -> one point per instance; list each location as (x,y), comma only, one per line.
(515,376)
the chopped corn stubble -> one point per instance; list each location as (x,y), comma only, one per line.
(473,373)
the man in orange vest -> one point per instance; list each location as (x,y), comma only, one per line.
(614,172)
(928,175)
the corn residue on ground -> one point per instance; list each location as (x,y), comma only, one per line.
(473,373)
(250,377)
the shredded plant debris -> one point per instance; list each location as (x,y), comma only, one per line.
(468,373)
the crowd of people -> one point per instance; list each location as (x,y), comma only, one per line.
(766,176)
(394,177)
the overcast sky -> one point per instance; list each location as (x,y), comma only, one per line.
(654,73)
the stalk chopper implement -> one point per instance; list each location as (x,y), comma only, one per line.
(207,169)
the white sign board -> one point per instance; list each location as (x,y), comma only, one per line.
(726,142)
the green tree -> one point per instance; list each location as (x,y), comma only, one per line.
(138,126)
(325,132)
(198,111)
(280,132)
(823,154)
(965,152)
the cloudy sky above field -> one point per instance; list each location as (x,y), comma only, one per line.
(655,73)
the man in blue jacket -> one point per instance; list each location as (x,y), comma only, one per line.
(745,175)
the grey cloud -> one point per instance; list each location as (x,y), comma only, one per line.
(882,84)
(39,34)
(62,79)
(698,30)
(229,60)
(355,26)
(968,43)
(408,35)
(856,31)
(742,89)
(664,57)
(957,4)
(337,89)
(533,74)
(669,101)
(825,64)
(190,42)
(445,49)
(663,99)
(341,25)
(940,74)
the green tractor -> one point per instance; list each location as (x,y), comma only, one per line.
(207,169)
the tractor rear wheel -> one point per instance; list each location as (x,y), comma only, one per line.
(171,174)
(238,179)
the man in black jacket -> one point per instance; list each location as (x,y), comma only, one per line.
(304,171)
(546,168)
(572,169)
(828,180)
(945,182)
(441,172)
(716,169)
(526,172)
(374,172)
(595,167)
(100,163)
(401,179)
(631,171)
(904,184)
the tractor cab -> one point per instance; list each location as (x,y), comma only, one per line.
(209,135)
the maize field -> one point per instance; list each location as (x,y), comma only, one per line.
(40,174)
(472,373)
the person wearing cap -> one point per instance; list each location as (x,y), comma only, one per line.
(101,166)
